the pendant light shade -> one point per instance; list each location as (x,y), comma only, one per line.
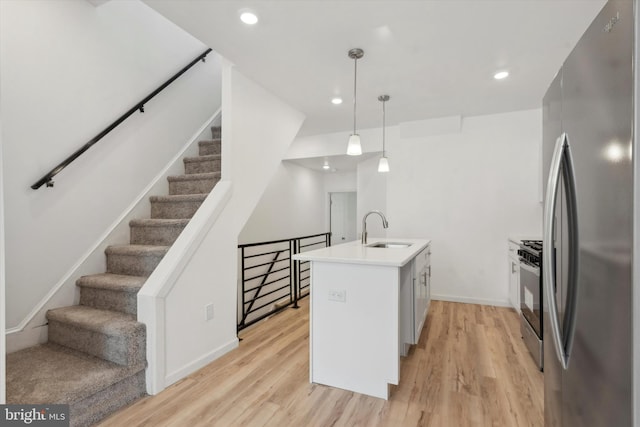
(383,164)
(354,148)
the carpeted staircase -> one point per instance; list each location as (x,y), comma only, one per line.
(96,354)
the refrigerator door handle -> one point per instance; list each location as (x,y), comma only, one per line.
(572,279)
(561,163)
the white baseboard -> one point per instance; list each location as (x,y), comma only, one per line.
(191,367)
(19,340)
(469,300)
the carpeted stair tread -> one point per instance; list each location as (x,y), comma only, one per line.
(202,158)
(194,176)
(108,291)
(112,282)
(216,131)
(53,374)
(193,183)
(156,231)
(208,147)
(107,322)
(110,335)
(159,222)
(202,164)
(179,206)
(179,198)
(134,260)
(133,250)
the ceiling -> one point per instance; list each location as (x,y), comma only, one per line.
(434,58)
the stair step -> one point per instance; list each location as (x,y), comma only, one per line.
(196,183)
(109,335)
(179,206)
(161,232)
(93,388)
(207,147)
(111,292)
(216,132)
(202,164)
(134,260)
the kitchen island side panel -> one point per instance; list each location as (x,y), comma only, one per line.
(355,323)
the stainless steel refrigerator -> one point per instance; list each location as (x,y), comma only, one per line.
(588,144)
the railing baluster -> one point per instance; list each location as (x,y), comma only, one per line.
(295,275)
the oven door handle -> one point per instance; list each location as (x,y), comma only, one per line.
(561,163)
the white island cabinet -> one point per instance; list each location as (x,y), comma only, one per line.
(366,308)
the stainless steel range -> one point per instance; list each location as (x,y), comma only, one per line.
(530,253)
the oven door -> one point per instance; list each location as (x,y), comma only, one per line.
(530,296)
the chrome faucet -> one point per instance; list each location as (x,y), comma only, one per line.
(385,224)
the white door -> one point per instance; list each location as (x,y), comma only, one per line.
(342,216)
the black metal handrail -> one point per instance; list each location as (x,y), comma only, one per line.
(289,285)
(48,178)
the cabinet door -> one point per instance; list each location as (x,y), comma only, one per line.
(421,290)
(514,283)
(514,276)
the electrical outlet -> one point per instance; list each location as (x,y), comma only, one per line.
(208,312)
(340,296)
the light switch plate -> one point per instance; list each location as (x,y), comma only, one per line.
(339,296)
(208,312)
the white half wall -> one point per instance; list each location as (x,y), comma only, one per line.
(257,129)
(67,70)
(468,191)
(293,205)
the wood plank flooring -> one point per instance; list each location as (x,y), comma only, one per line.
(470,368)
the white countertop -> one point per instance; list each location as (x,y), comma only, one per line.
(356,253)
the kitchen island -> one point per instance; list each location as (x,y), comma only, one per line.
(368,305)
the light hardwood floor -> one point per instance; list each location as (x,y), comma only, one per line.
(470,368)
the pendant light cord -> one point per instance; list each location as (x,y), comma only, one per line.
(355,83)
(383,125)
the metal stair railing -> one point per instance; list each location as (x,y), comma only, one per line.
(270,279)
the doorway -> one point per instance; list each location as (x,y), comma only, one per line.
(342,217)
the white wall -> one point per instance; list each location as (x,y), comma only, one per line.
(335,144)
(468,191)
(340,182)
(467,184)
(67,70)
(257,129)
(372,195)
(2,286)
(292,205)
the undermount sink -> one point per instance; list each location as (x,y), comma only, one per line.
(389,245)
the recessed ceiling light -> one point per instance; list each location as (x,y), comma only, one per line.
(249,18)
(501,75)
(336,101)
(326,167)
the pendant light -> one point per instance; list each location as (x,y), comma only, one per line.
(354,148)
(383,164)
